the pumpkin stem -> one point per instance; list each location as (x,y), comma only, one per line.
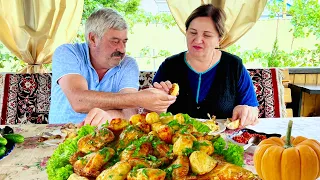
(288,136)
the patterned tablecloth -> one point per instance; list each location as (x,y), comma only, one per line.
(28,160)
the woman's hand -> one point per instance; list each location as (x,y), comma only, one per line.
(248,115)
(165,86)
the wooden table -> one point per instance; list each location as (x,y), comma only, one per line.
(297,91)
(28,160)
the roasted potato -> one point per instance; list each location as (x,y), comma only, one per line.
(166,119)
(144,127)
(206,146)
(134,119)
(165,133)
(183,143)
(147,174)
(118,124)
(201,163)
(179,117)
(118,171)
(174,90)
(156,126)
(152,117)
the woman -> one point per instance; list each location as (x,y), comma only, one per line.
(211,81)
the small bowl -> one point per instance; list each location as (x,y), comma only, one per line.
(237,133)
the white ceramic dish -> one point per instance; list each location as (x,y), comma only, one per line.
(222,127)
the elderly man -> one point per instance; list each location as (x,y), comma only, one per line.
(97,76)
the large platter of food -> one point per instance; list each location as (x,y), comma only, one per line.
(153,147)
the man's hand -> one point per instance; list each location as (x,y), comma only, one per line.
(165,86)
(248,115)
(96,117)
(156,100)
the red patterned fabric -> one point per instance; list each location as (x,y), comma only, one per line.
(265,83)
(267,91)
(26,99)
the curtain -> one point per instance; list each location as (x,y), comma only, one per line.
(241,15)
(33,29)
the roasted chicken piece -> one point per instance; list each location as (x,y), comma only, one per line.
(144,150)
(147,174)
(181,172)
(227,171)
(130,134)
(118,171)
(76,156)
(93,142)
(162,150)
(75,176)
(90,165)
(201,163)
(139,161)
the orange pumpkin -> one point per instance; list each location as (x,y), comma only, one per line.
(288,158)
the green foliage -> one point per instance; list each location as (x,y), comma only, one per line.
(149,53)
(131,12)
(305,18)
(301,57)
(276,8)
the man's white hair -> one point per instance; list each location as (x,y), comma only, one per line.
(102,20)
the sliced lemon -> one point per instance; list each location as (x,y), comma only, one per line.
(232,124)
(174,90)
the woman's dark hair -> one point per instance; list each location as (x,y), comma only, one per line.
(217,15)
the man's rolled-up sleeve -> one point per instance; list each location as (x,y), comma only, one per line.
(64,61)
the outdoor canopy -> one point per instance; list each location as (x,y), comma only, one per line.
(241,15)
(33,29)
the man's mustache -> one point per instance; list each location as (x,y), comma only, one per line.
(117,54)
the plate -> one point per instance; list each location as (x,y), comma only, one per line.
(222,127)
(10,145)
(53,142)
